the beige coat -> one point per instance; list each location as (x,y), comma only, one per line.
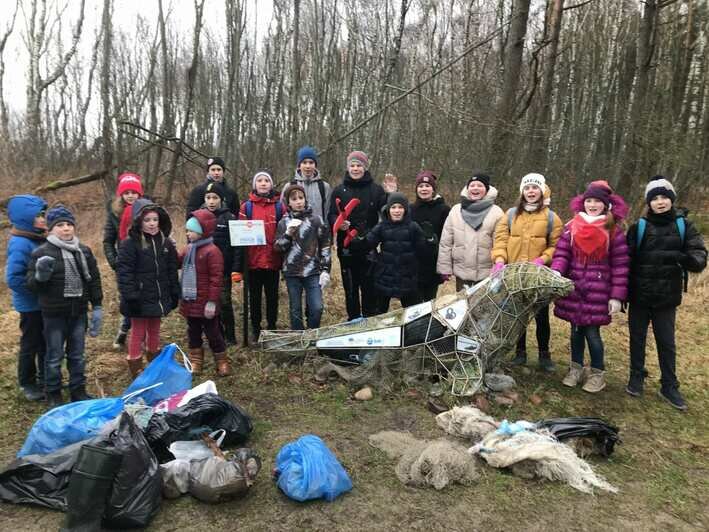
(463,251)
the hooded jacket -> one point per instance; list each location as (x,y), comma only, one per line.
(209,264)
(147,267)
(657,263)
(527,239)
(308,251)
(463,251)
(363,218)
(24,239)
(264,208)
(401,243)
(595,282)
(430,215)
(318,204)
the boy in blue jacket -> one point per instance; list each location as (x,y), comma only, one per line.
(29,230)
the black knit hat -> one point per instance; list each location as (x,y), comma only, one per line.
(215,160)
(483,178)
(397,197)
(216,188)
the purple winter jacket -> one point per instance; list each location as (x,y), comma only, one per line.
(595,283)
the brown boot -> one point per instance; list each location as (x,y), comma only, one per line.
(197,360)
(135,366)
(152,356)
(222,362)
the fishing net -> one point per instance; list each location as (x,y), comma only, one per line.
(457,337)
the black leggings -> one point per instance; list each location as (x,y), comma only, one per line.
(266,281)
(543,333)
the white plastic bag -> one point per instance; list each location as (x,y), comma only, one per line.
(197,449)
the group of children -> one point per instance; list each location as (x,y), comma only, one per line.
(386,249)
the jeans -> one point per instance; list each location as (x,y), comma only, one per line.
(663,327)
(30,358)
(313,301)
(543,333)
(266,281)
(61,331)
(212,330)
(591,334)
(361,299)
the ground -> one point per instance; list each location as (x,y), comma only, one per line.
(661,468)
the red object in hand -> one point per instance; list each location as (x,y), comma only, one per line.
(344,214)
(350,235)
(236,277)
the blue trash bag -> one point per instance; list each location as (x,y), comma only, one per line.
(164,369)
(71,423)
(306,469)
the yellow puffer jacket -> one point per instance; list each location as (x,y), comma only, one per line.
(527,239)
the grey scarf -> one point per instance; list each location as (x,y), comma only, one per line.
(73,274)
(189,269)
(474,212)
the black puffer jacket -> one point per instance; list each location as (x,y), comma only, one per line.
(396,269)
(372,198)
(147,268)
(110,236)
(232,255)
(657,265)
(196,199)
(51,293)
(430,215)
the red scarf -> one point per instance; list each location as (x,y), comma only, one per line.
(126,221)
(590,240)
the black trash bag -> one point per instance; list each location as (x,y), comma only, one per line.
(205,413)
(136,493)
(40,479)
(603,434)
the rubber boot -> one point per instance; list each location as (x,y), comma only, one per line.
(54,399)
(545,362)
(222,362)
(79,394)
(520,359)
(135,366)
(89,488)
(196,357)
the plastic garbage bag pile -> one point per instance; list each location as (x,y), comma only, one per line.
(100,460)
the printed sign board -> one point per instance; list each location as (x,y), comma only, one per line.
(389,337)
(247,233)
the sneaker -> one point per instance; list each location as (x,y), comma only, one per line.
(574,376)
(545,362)
(520,359)
(120,340)
(595,382)
(672,396)
(635,383)
(32,392)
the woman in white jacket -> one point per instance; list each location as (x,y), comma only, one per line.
(468,234)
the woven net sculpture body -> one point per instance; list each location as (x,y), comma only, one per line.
(458,337)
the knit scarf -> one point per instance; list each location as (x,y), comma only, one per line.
(589,237)
(125,223)
(32,235)
(189,269)
(73,274)
(474,212)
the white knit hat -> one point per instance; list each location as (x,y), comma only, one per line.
(659,185)
(532,179)
(259,174)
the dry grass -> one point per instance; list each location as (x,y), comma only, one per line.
(661,468)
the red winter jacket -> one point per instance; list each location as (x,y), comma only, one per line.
(263,257)
(210,269)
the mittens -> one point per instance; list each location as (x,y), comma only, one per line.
(210,310)
(44,268)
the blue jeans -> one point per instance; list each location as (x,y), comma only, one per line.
(591,334)
(313,301)
(58,332)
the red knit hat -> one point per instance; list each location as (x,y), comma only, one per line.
(129,181)
(426,176)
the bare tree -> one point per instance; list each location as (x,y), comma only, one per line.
(4,119)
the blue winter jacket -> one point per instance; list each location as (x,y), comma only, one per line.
(24,238)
